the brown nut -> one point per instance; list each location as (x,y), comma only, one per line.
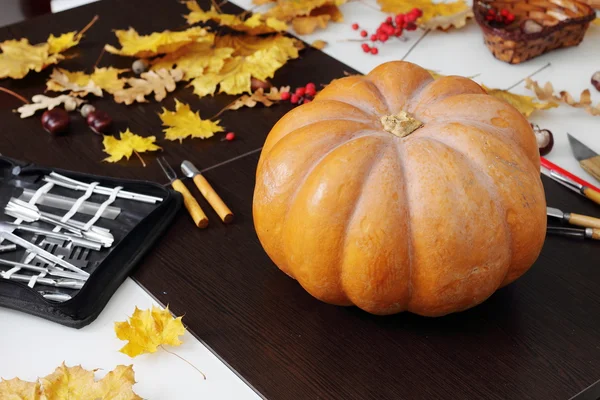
(99,121)
(256,84)
(596,80)
(55,121)
(545,140)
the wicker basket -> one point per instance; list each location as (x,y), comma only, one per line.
(563,23)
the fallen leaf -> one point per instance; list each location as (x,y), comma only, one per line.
(429,8)
(160,82)
(287,10)
(18,57)
(307,25)
(126,145)
(319,44)
(259,96)
(101,79)
(146,330)
(16,389)
(69,383)
(134,45)
(445,22)
(117,385)
(41,102)
(77,82)
(546,93)
(183,123)
(255,25)
(261,2)
(253,57)
(596,22)
(63,42)
(525,104)
(195,59)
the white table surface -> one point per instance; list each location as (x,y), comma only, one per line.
(31,347)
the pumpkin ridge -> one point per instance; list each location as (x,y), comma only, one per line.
(495,195)
(376,160)
(312,168)
(400,154)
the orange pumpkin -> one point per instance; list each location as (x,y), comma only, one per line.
(394,191)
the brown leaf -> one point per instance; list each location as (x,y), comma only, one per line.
(319,44)
(259,96)
(546,93)
(41,102)
(158,82)
(307,25)
(63,80)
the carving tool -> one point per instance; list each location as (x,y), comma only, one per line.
(585,233)
(588,158)
(50,270)
(77,241)
(207,191)
(570,181)
(190,202)
(66,203)
(73,184)
(64,283)
(574,219)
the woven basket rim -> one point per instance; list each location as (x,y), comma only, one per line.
(518,35)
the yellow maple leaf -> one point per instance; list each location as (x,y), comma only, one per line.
(107,79)
(525,104)
(69,383)
(183,123)
(253,57)
(287,10)
(117,385)
(255,25)
(445,22)
(146,330)
(429,8)
(136,45)
(16,389)
(195,59)
(126,145)
(63,42)
(18,57)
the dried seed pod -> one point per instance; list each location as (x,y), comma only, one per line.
(86,109)
(55,121)
(99,121)
(596,80)
(139,66)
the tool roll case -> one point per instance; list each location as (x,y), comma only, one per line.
(69,239)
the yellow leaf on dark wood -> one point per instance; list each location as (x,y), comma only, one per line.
(18,57)
(183,123)
(159,82)
(195,59)
(126,145)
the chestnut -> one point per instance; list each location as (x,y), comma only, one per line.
(55,121)
(256,84)
(596,80)
(545,140)
(99,121)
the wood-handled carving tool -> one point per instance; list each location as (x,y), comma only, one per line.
(190,202)
(585,233)
(588,158)
(574,219)
(207,191)
(570,181)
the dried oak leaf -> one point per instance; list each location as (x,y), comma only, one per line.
(183,123)
(445,22)
(76,82)
(41,102)
(429,8)
(102,78)
(546,93)
(195,59)
(525,104)
(126,145)
(259,96)
(16,389)
(160,82)
(134,45)
(146,330)
(253,57)
(255,25)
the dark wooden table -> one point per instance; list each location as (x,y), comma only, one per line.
(539,338)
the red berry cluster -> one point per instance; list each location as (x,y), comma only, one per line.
(301,95)
(390,27)
(501,16)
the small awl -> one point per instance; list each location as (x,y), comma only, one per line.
(190,202)
(207,191)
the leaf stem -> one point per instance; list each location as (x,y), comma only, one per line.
(140,157)
(223,109)
(18,96)
(528,76)
(88,26)
(99,58)
(415,44)
(183,359)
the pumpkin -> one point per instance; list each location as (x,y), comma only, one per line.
(398,192)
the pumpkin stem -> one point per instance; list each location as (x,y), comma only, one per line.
(401,124)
